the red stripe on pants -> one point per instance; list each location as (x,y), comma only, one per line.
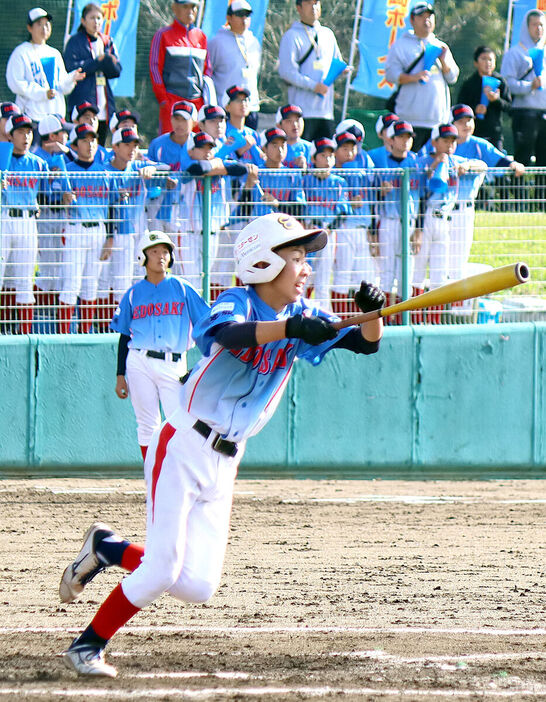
(166,435)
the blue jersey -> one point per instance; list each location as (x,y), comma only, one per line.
(359,188)
(236,391)
(91,186)
(293,151)
(284,187)
(191,208)
(436,200)
(327,201)
(58,183)
(163,149)
(476,147)
(378,155)
(252,155)
(125,211)
(159,317)
(389,197)
(25,177)
(362,160)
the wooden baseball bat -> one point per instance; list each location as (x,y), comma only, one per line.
(473,286)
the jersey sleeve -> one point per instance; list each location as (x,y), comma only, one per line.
(121,321)
(197,307)
(315,354)
(231,306)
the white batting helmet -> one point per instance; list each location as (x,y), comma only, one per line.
(255,257)
(151,239)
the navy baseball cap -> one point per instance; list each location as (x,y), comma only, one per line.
(211,112)
(400,127)
(272,133)
(80,131)
(321,145)
(459,111)
(346,137)
(78,110)
(7,109)
(198,139)
(442,131)
(125,136)
(384,121)
(233,92)
(17,122)
(287,110)
(353,127)
(120,116)
(420,7)
(185,109)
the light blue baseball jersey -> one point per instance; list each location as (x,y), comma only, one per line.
(164,150)
(284,187)
(436,200)
(91,186)
(389,202)
(302,147)
(378,154)
(126,212)
(476,147)
(160,317)
(25,177)
(359,185)
(192,205)
(326,199)
(58,184)
(251,155)
(236,391)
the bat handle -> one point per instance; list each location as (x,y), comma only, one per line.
(359,319)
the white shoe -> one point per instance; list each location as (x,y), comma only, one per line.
(87,563)
(88,660)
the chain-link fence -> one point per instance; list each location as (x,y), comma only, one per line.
(69,241)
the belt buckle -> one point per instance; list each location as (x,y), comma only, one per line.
(216,443)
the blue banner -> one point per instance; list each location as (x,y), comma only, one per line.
(214,17)
(120,22)
(380,23)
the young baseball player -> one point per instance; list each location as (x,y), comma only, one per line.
(250,341)
(399,155)
(353,259)
(381,127)
(7,110)
(361,159)
(289,118)
(155,319)
(432,251)
(86,244)
(87,113)
(237,105)
(124,119)
(25,177)
(327,207)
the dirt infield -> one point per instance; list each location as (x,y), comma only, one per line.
(353,590)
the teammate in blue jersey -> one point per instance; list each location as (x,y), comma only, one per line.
(353,258)
(236,104)
(360,157)
(155,319)
(438,202)
(87,113)
(389,209)
(250,340)
(86,243)
(327,207)
(289,118)
(381,127)
(25,178)
(171,148)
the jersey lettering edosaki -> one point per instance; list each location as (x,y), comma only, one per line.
(160,317)
(26,176)
(236,391)
(91,186)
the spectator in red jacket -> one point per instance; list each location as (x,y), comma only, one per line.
(179,63)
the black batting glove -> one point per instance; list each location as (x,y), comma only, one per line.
(369,297)
(313,330)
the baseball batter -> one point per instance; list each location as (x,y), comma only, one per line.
(155,319)
(250,341)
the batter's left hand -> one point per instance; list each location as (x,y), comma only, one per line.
(369,297)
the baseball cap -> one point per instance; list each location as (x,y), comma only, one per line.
(459,111)
(444,130)
(17,122)
(321,144)
(400,127)
(239,6)
(421,7)
(268,135)
(232,92)
(51,124)
(120,116)
(383,121)
(198,139)
(287,110)
(211,112)
(80,131)
(185,109)
(353,127)
(7,109)
(37,13)
(78,110)
(345,137)
(125,136)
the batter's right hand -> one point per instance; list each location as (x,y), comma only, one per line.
(122,389)
(313,330)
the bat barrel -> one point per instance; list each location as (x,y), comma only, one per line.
(522,272)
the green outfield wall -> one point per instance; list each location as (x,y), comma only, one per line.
(435,400)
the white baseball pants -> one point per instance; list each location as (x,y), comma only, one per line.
(434,252)
(81,265)
(353,260)
(152,382)
(19,246)
(323,264)
(190,260)
(390,253)
(50,248)
(460,239)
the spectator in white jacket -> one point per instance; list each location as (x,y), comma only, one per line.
(235,55)
(36,72)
